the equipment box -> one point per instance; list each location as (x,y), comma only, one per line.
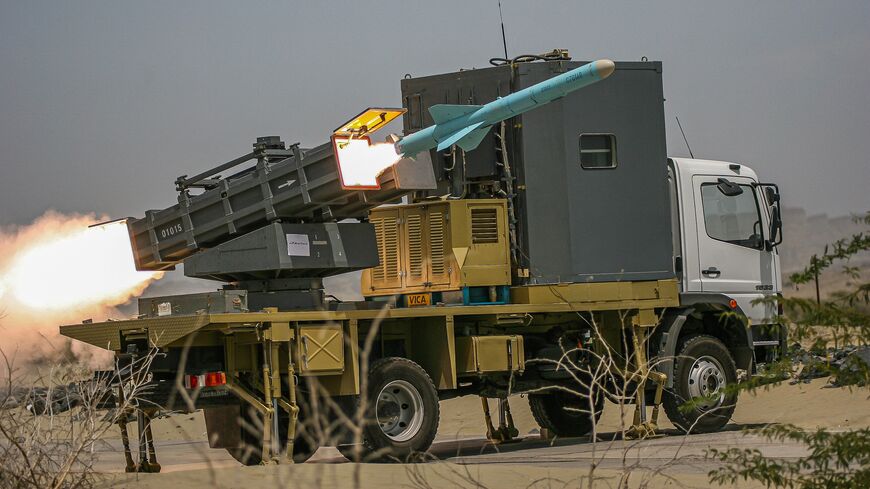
(218,302)
(320,349)
(477,355)
(439,245)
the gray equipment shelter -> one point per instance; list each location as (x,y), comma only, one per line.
(574,224)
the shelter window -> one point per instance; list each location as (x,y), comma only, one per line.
(597,151)
(414,117)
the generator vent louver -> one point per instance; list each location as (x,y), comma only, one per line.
(436,243)
(484,226)
(415,246)
(378,271)
(386,230)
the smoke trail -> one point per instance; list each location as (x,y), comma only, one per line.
(57,271)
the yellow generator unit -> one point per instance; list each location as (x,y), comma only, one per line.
(441,251)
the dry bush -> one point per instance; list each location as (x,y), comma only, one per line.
(51,425)
(604,372)
(618,378)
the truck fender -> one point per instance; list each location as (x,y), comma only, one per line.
(694,298)
(674,321)
(740,345)
(667,348)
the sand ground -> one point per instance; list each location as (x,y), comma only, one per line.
(466,460)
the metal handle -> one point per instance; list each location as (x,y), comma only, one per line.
(510,354)
(305,351)
(711,272)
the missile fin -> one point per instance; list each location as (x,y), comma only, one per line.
(442,113)
(458,135)
(473,139)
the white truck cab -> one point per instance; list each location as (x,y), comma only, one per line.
(726,226)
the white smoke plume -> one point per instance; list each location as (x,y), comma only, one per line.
(57,271)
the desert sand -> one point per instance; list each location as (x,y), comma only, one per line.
(674,460)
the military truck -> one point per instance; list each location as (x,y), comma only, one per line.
(567,235)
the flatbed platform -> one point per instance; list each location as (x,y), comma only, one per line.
(535,299)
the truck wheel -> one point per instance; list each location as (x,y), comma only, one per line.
(251,450)
(404,412)
(565,413)
(702,369)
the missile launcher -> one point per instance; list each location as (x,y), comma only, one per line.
(285,184)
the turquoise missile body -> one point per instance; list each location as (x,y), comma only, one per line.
(466,125)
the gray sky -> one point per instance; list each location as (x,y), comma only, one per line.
(103,104)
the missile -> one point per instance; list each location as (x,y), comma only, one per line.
(466,125)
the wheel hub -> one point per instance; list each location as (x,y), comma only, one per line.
(706,380)
(399,409)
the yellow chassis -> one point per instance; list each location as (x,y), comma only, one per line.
(325,343)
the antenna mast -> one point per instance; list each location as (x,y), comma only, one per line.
(684,138)
(503,39)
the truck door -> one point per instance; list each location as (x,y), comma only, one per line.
(733,258)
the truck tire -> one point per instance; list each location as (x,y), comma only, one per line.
(702,368)
(549,410)
(250,452)
(344,436)
(404,413)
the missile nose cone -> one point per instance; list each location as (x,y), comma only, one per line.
(604,67)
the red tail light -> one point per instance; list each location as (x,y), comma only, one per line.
(211,379)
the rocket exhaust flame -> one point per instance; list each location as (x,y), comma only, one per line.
(360,162)
(59,270)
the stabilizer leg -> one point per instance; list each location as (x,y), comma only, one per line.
(641,427)
(509,432)
(490,429)
(147,453)
(150,464)
(125,439)
(143,448)
(292,409)
(506,431)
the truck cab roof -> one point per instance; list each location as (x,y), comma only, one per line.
(688,166)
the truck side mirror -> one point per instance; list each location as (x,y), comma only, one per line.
(771,193)
(729,188)
(775,225)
